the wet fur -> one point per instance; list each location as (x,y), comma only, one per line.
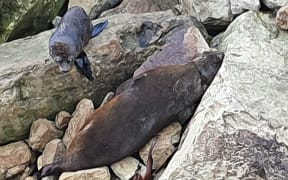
(143,106)
(74,31)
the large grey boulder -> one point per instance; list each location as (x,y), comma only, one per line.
(239,130)
(216,14)
(275,3)
(239,6)
(85,4)
(141,6)
(95,7)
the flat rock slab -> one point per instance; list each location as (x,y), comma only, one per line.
(217,15)
(239,130)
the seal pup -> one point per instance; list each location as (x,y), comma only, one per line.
(71,35)
(143,106)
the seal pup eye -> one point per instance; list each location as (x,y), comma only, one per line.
(70,59)
(57,59)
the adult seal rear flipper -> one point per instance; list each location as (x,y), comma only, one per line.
(83,65)
(98,28)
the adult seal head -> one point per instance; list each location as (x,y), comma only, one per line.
(71,35)
(142,107)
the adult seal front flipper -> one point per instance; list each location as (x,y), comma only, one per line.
(98,28)
(83,65)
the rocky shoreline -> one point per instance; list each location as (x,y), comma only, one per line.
(239,130)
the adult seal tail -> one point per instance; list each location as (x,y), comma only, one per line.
(71,35)
(142,107)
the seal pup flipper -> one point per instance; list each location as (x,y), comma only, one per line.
(98,28)
(83,65)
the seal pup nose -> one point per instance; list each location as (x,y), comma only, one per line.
(64,67)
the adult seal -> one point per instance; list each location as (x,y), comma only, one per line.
(71,35)
(142,107)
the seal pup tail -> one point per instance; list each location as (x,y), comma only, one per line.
(98,28)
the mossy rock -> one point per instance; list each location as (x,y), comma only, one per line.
(22,18)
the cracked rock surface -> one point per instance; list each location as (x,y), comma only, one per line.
(239,130)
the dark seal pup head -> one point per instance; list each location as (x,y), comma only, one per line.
(71,35)
(62,54)
(142,107)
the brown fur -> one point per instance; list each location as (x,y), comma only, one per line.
(143,106)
